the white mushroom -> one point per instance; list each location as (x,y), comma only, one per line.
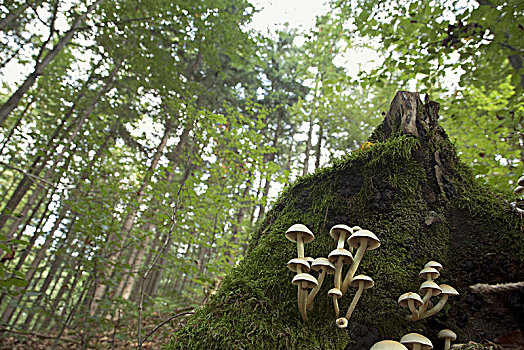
(411,301)
(415,341)
(304,282)
(362,240)
(448,335)
(340,257)
(519,190)
(301,234)
(434,264)
(335,293)
(388,345)
(361,282)
(429,274)
(325,267)
(446,292)
(428,289)
(341,322)
(520,181)
(340,233)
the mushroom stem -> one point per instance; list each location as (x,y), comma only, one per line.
(300,245)
(413,309)
(335,304)
(302,295)
(417,347)
(338,272)
(447,343)
(425,302)
(299,298)
(315,290)
(353,268)
(355,300)
(341,239)
(436,308)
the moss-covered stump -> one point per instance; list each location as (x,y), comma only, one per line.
(411,190)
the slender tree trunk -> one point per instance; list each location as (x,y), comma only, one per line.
(308,145)
(101,287)
(8,312)
(318,148)
(11,16)
(15,98)
(13,128)
(126,293)
(27,181)
(57,262)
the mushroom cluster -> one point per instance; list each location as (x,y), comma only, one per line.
(519,190)
(415,341)
(357,238)
(419,305)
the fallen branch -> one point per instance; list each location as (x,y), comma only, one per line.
(484,288)
(38,335)
(166,321)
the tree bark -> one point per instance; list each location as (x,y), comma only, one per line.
(11,16)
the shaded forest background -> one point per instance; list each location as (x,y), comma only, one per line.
(146,139)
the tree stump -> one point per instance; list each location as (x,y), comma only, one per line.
(413,192)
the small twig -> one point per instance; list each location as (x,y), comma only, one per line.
(484,288)
(114,330)
(33,177)
(166,321)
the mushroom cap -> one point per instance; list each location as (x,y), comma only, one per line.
(356,237)
(356,228)
(324,263)
(410,339)
(404,299)
(519,190)
(342,322)
(309,260)
(447,289)
(296,262)
(436,265)
(307,235)
(447,334)
(335,292)
(338,229)
(347,256)
(388,345)
(432,286)
(520,181)
(368,282)
(429,271)
(305,280)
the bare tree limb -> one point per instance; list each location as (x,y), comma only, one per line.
(33,177)
(484,288)
(166,321)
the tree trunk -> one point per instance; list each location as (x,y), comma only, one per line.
(11,16)
(412,191)
(26,182)
(309,143)
(15,98)
(318,148)
(100,288)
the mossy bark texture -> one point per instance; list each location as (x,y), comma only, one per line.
(412,191)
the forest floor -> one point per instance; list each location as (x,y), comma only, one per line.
(122,336)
